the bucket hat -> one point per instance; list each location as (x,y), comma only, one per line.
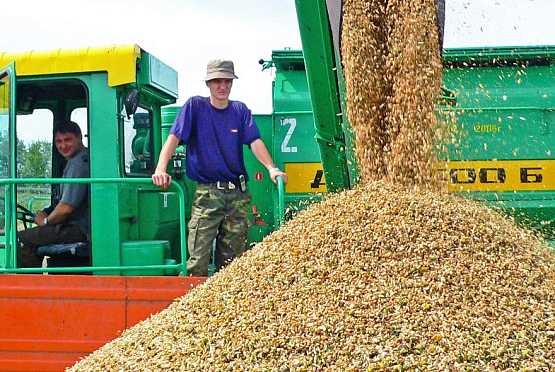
(220,69)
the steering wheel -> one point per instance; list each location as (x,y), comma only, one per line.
(23,214)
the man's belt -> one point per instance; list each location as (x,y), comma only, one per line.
(223,185)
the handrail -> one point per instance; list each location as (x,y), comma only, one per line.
(182,267)
(32,199)
(292,112)
(279,207)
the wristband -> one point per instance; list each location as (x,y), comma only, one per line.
(272,170)
(45,221)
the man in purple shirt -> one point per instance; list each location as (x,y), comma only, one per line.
(215,129)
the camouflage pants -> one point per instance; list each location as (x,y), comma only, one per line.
(220,214)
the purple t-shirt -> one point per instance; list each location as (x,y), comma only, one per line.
(215,138)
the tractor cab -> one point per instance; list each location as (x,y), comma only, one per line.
(115,95)
(131,260)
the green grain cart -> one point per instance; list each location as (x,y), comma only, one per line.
(501,103)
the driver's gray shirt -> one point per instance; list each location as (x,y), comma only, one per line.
(77,195)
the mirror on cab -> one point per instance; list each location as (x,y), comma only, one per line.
(131,102)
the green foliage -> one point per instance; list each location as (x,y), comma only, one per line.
(36,160)
(21,155)
(4,153)
(32,161)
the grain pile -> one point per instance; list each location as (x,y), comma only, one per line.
(392,66)
(383,277)
(377,278)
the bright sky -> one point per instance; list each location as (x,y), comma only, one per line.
(499,23)
(186,34)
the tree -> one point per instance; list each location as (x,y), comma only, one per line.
(38,159)
(5,154)
(21,155)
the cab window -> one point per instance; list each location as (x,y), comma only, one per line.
(34,157)
(137,146)
(39,106)
(79,115)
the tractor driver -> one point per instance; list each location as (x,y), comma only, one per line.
(215,129)
(69,221)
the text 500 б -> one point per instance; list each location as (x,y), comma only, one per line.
(492,175)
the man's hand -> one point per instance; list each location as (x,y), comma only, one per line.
(161,179)
(278,173)
(39,218)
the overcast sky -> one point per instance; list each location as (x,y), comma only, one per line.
(499,23)
(185,34)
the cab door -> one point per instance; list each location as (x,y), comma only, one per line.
(8,225)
